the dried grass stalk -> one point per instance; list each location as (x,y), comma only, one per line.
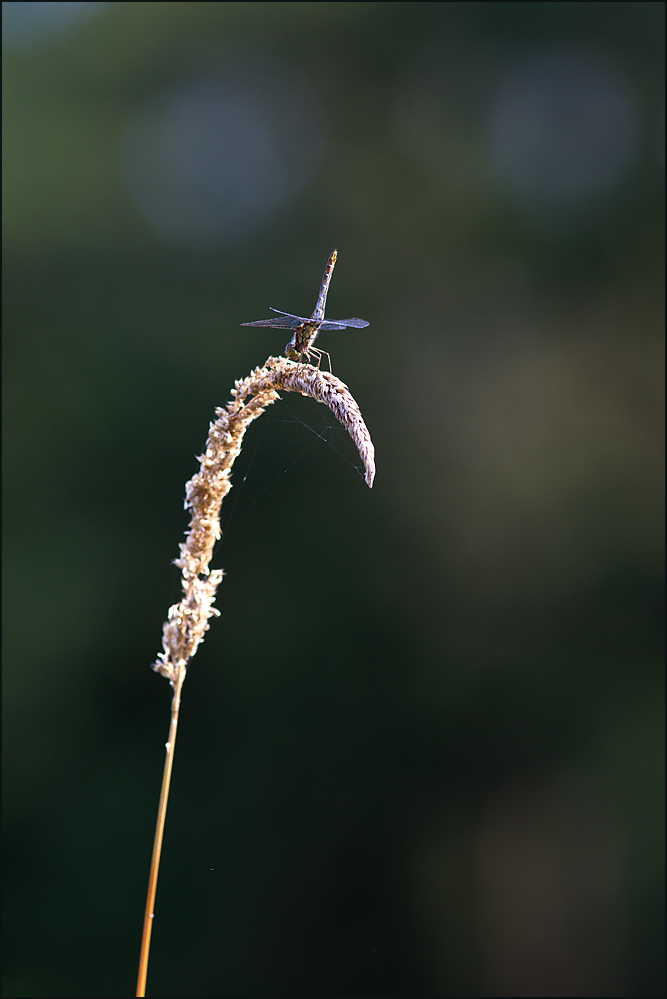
(204,493)
(188,620)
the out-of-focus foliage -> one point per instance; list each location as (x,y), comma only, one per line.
(420,751)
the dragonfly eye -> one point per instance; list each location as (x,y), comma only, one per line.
(291,352)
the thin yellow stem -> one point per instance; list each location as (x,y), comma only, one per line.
(159,831)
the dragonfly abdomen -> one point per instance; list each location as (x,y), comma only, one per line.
(318,312)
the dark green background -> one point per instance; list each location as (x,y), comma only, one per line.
(420,751)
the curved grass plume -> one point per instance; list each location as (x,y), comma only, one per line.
(188,620)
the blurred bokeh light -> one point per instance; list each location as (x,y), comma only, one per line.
(564,130)
(24,24)
(213,159)
(421,750)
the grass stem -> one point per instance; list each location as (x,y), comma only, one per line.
(159,831)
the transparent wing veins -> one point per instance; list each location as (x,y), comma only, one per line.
(356,323)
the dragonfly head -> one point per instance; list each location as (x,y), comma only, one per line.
(292,351)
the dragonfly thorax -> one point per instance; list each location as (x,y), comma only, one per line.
(302,341)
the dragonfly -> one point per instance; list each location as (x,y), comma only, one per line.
(306,330)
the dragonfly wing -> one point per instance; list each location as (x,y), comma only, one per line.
(282,323)
(326,325)
(291,316)
(342,323)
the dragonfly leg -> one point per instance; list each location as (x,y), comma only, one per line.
(319,352)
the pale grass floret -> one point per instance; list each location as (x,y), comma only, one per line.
(188,620)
